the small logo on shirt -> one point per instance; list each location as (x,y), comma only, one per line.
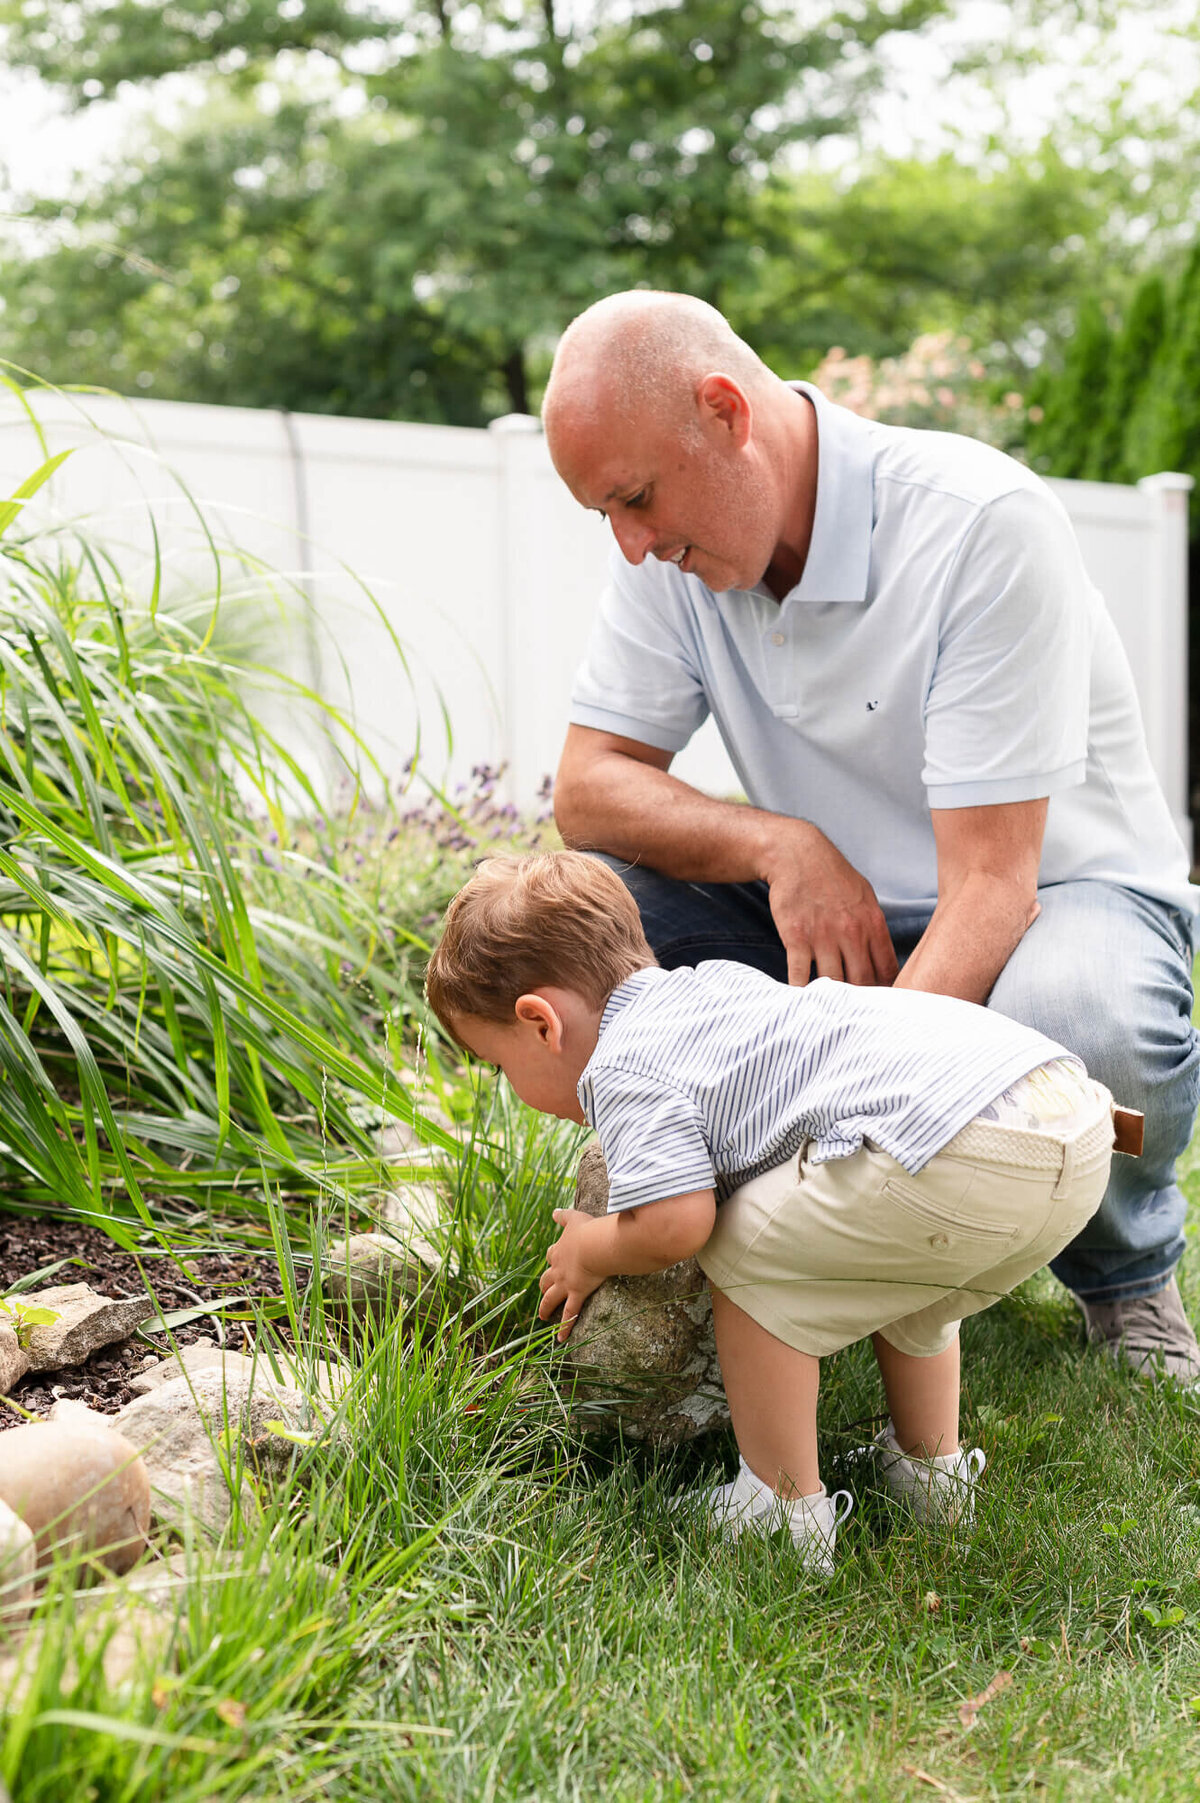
(871,706)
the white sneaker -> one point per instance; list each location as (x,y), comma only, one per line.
(747,1505)
(939,1492)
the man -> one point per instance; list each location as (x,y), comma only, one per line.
(932,719)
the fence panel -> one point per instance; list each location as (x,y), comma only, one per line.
(465,547)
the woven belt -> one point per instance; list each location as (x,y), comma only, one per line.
(1031,1151)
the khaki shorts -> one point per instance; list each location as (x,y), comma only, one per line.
(822,1255)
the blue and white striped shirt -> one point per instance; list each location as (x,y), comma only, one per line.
(705,1078)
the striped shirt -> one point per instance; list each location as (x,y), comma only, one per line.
(704,1078)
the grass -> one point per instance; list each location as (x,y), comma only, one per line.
(452,1595)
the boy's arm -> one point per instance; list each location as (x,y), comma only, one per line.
(631,1243)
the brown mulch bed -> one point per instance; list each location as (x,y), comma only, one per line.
(29,1243)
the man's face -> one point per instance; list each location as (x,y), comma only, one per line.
(686,493)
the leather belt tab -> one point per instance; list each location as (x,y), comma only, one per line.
(1129,1131)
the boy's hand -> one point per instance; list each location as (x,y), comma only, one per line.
(570,1279)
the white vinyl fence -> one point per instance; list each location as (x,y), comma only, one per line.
(465,546)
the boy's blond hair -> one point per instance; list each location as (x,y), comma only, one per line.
(556,918)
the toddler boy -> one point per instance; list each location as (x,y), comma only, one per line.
(842,1161)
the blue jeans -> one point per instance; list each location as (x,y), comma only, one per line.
(1103,971)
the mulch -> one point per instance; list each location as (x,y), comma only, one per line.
(29,1243)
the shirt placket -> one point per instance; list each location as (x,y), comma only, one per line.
(779,662)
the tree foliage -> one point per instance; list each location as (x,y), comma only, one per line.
(407,236)
(1123,399)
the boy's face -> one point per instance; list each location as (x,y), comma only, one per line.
(542,1051)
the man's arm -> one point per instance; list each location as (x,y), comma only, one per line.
(616,795)
(987,897)
(632,1243)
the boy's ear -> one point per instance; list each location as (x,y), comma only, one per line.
(535,1011)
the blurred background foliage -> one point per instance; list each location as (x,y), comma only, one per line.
(392,209)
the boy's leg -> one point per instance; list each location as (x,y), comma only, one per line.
(918,1452)
(772,1393)
(922,1396)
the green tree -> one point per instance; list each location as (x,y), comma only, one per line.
(1163,432)
(1068,403)
(1135,348)
(908,247)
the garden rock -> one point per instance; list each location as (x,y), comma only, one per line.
(372,1273)
(331,1378)
(14,1360)
(412,1214)
(181,1431)
(85,1322)
(122,1632)
(18,1562)
(78,1486)
(642,1355)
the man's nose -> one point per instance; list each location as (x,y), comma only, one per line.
(634,537)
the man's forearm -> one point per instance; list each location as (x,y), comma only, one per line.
(635,811)
(970,939)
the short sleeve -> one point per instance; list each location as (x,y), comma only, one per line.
(1006,716)
(640,677)
(651,1137)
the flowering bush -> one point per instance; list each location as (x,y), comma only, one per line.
(939,383)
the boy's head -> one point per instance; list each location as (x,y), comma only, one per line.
(530,952)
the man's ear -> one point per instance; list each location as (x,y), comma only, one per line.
(722,403)
(535,1011)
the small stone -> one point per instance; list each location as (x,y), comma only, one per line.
(78,1487)
(179,1425)
(14,1360)
(642,1355)
(85,1322)
(372,1272)
(18,1562)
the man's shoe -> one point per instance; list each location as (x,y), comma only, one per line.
(1151,1333)
(939,1492)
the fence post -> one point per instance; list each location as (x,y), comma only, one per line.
(514,584)
(1168,493)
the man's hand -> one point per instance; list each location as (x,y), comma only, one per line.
(570,1279)
(825,911)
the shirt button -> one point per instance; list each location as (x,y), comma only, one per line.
(939,1240)
(777,638)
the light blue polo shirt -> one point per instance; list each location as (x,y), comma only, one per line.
(944,648)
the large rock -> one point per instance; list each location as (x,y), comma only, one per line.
(642,1354)
(14,1360)
(18,1562)
(195,1429)
(78,1486)
(377,1273)
(323,1378)
(412,1215)
(84,1322)
(115,1631)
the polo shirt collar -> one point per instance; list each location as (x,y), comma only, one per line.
(839,554)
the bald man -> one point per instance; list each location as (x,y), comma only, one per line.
(932,719)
